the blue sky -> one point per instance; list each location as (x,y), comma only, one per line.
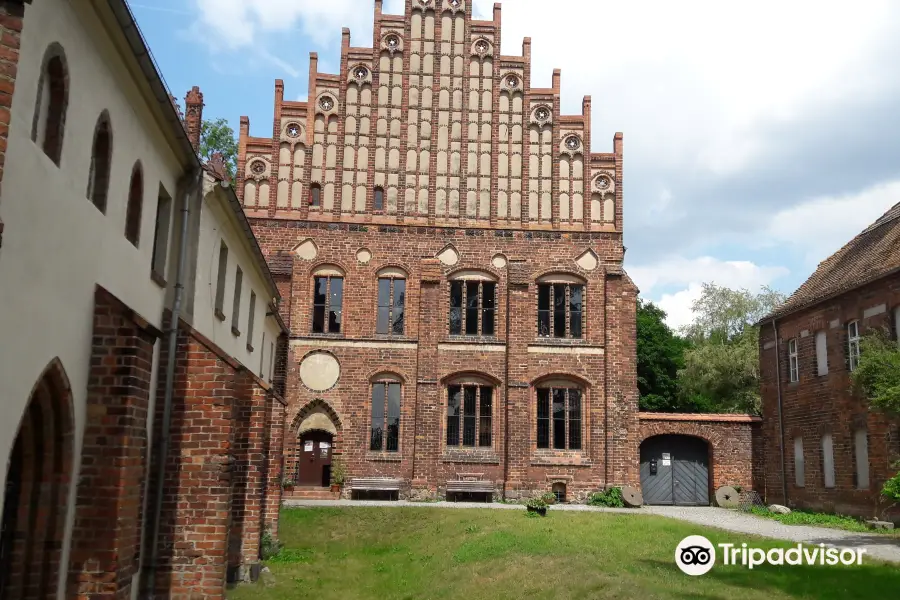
(758,138)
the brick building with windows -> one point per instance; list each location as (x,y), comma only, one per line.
(448,247)
(825,448)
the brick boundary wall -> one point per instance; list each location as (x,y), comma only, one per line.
(733,455)
(223,488)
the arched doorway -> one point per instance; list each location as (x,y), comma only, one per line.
(314,452)
(37,489)
(675,470)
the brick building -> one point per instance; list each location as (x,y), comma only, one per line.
(111,229)
(448,248)
(825,448)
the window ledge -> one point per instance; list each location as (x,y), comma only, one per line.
(250,348)
(391,457)
(471,456)
(327,336)
(219,314)
(235,331)
(552,341)
(473,339)
(158,279)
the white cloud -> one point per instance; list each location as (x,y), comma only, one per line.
(689,274)
(821,226)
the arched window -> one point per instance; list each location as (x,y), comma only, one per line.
(135,205)
(853,345)
(328,299)
(379,198)
(559,413)
(52,101)
(391,302)
(101,159)
(315,195)
(385,431)
(561,306)
(473,304)
(470,407)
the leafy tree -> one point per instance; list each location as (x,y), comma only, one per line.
(878,375)
(660,355)
(218,136)
(721,372)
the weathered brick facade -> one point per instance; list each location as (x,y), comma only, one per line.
(734,449)
(12,14)
(818,405)
(431,157)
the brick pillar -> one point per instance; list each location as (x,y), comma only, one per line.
(520,411)
(276,425)
(107,531)
(12,16)
(428,396)
(193,116)
(248,468)
(196,510)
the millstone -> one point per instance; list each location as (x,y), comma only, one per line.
(632,497)
(727,497)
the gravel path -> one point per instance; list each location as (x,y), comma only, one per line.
(882,547)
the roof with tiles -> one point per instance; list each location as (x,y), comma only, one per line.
(872,254)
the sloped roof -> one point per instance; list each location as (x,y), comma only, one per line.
(872,254)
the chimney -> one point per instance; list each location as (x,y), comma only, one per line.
(193,118)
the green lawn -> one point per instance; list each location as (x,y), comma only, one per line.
(426,553)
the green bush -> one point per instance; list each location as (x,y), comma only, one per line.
(549,498)
(878,374)
(269,546)
(536,503)
(611,498)
(801,517)
(891,489)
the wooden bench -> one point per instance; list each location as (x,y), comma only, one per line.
(475,487)
(374,484)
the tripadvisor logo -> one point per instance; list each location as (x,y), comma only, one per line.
(696,555)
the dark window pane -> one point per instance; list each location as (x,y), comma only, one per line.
(574,420)
(484,426)
(315,195)
(559,311)
(379,199)
(575,325)
(576,308)
(544,323)
(488,303)
(384,293)
(334,321)
(393,421)
(456,291)
(383,323)
(559,419)
(336,301)
(544,297)
(377,416)
(576,293)
(399,306)
(472,308)
(453,401)
(543,419)
(319,319)
(469,416)
(320,294)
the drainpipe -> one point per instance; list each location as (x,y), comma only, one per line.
(170,374)
(606,386)
(784,493)
(506,390)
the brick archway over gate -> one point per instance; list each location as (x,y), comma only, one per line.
(734,442)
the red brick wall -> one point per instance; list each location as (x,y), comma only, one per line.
(605,368)
(730,439)
(12,14)
(816,405)
(104,558)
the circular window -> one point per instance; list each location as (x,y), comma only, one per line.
(481,47)
(392,41)
(573,143)
(326,102)
(542,114)
(258,167)
(512,81)
(602,182)
(455,3)
(361,72)
(293,130)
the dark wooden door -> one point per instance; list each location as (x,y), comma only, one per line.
(314,459)
(675,470)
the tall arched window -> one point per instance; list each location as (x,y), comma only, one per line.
(101,159)
(473,304)
(561,306)
(385,431)
(135,205)
(328,299)
(52,101)
(470,408)
(559,415)
(315,195)
(391,302)
(379,199)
